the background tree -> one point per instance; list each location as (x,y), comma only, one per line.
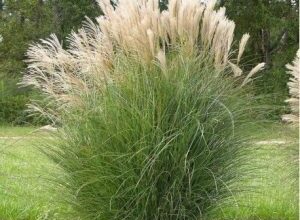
(69,14)
(273,26)
(23,22)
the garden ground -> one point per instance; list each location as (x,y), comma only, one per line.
(26,192)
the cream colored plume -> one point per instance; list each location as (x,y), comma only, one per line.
(137,29)
(237,71)
(242,46)
(293,84)
(161,57)
(256,69)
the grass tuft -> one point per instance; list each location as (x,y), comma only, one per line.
(155,146)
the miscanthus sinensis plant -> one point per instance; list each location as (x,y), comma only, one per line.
(293,84)
(151,104)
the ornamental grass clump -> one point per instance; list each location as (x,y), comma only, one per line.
(151,107)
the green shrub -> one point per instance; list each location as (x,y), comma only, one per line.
(13,104)
(13,109)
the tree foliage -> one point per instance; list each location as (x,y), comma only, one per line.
(23,22)
(69,15)
(274,29)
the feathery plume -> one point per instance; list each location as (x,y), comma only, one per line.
(293,84)
(242,46)
(236,70)
(256,69)
(161,57)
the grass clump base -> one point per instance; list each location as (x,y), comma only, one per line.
(157,145)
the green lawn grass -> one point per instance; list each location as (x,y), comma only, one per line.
(8,131)
(26,194)
(271,192)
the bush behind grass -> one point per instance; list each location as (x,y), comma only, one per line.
(13,104)
(156,145)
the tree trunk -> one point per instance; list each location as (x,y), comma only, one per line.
(39,17)
(266,47)
(57,11)
(1,5)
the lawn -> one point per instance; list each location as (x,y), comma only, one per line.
(272,190)
(26,193)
